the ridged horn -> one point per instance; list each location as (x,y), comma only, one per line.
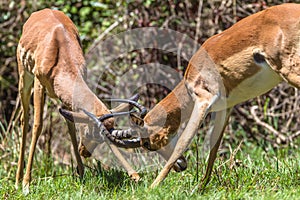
(126,143)
(110,115)
(125,106)
(131,101)
(123,134)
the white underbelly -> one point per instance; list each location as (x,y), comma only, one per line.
(254,86)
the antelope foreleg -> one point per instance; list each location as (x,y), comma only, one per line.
(200,110)
(221,121)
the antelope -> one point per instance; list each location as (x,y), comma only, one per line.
(244,61)
(50,59)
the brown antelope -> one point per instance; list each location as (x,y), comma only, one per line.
(50,58)
(243,62)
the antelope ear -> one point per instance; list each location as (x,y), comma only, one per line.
(74,116)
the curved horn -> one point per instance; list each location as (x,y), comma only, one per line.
(125,106)
(128,143)
(131,101)
(110,115)
(81,118)
(141,108)
(74,116)
(120,134)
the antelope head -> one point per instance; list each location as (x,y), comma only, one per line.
(101,127)
(158,129)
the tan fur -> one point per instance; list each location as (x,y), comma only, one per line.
(51,59)
(273,34)
(168,120)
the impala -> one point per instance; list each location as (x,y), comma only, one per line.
(50,58)
(243,62)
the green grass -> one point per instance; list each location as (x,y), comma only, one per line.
(251,174)
(242,172)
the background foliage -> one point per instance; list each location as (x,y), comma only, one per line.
(252,120)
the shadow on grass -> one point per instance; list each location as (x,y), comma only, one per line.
(109,178)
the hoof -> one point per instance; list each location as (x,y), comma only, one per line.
(135,177)
(180,165)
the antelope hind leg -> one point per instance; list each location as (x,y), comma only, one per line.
(39,101)
(25,86)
